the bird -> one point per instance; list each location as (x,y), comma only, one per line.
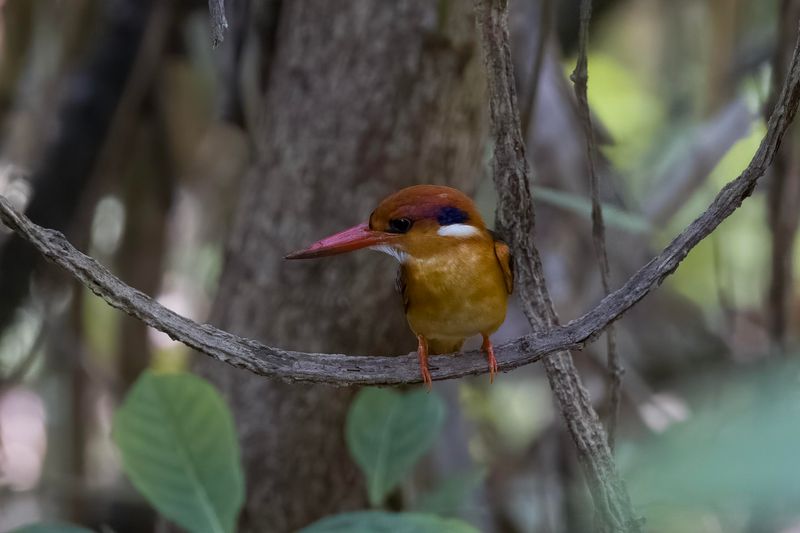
(455,275)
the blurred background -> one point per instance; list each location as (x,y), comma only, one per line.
(190,172)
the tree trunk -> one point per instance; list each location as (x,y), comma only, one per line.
(363,98)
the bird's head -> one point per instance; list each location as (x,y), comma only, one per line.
(416,221)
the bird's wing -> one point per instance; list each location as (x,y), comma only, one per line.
(400,286)
(503,254)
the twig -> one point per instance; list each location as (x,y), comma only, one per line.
(580,79)
(230,105)
(783,198)
(545,22)
(515,222)
(219,23)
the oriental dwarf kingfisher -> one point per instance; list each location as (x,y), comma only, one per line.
(455,276)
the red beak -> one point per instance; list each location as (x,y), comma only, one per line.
(348,240)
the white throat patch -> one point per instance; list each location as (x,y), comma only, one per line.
(400,255)
(457,230)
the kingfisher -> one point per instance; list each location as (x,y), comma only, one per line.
(455,275)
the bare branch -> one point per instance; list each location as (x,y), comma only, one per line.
(219,23)
(783,198)
(251,355)
(580,80)
(515,222)
(545,23)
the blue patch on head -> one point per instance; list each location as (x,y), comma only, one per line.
(451,215)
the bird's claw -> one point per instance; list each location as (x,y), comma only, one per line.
(489,350)
(422,352)
(426,378)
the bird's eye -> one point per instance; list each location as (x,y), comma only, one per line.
(399,225)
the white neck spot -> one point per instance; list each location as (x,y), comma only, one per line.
(400,255)
(457,230)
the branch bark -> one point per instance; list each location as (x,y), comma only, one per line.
(783,198)
(219,22)
(580,80)
(515,222)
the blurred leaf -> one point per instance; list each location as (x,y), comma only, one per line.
(449,497)
(624,102)
(613,216)
(101,328)
(51,528)
(740,447)
(179,449)
(382,522)
(742,242)
(387,433)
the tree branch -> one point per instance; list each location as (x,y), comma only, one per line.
(783,197)
(545,23)
(219,23)
(580,80)
(515,222)
(251,355)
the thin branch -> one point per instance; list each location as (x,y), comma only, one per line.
(783,198)
(219,23)
(515,222)
(545,22)
(580,80)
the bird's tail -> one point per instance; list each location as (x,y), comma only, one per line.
(438,346)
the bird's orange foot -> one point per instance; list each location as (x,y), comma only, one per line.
(489,351)
(422,351)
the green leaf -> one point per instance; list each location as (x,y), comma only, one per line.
(179,449)
(740,445)
(449,497)
(382,522)
(612,216)
(51,528)
(388,432)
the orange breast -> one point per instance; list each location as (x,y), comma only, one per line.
(456,294)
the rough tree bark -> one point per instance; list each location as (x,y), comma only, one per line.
(364,97)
